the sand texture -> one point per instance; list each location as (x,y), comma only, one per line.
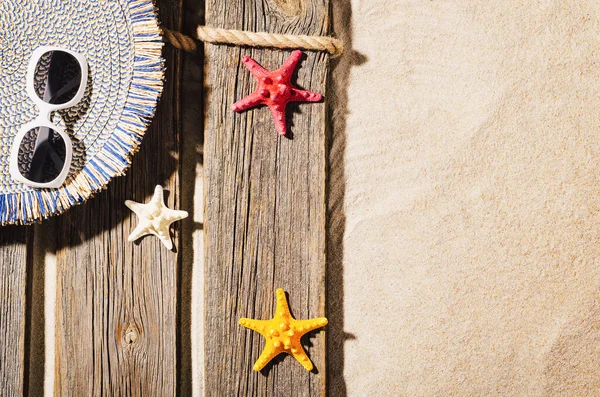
(465,199)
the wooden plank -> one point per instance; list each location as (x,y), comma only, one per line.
(117,301)
(264,204)
(13,287)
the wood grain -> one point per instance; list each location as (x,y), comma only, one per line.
(13,287)
(116,331)
(264,204)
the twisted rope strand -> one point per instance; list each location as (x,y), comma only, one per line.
(254,39)
(179,40)
(263,39)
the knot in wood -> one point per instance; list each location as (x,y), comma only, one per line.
(291,8)
(132,335)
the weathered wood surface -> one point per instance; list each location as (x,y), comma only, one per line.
(13,301)
(116,316)
(264,204)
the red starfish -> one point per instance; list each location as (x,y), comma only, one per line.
(275,89)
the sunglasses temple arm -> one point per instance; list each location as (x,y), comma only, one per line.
(72,84)
(42,143)
(44,132)
(40,153)
(43,135)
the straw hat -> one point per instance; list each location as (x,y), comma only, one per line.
(122,44)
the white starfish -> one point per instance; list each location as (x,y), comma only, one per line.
(155,218)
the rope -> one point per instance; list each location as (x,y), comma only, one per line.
(251,39)
(179,40)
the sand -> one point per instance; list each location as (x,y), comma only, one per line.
(464,241)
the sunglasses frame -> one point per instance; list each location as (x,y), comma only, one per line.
(43,119)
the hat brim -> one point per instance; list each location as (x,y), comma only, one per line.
(110,123)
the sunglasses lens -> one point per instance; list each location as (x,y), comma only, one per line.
(41,155)
(57,77)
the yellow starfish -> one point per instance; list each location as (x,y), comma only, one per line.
(283,333)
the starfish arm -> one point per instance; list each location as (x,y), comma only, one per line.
(248,102)
(278,112)
(304,326)
(174,215)
(299,354)
(288,67)
(306,96)
(254,67)
(158,197)
(140,231)
(166,240)
(260,326)
(138,208)
(282,308)
(267,355)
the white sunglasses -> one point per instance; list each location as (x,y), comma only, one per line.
(41,153)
